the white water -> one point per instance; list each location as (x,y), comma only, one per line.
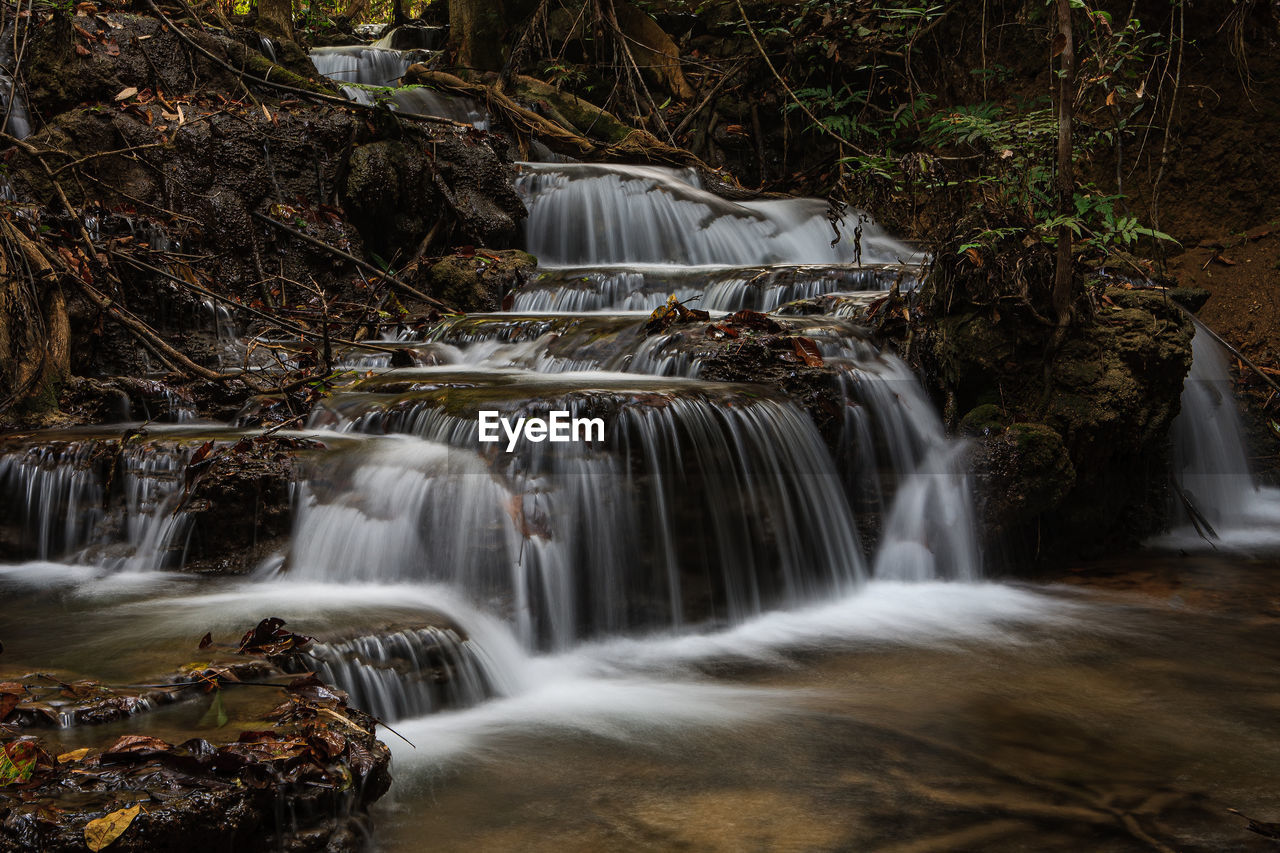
(372,75)
(603,215)
(1211,462)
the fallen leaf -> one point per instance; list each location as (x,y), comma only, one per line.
(73,755)
(102,832)
(207,640)
(1112,100)
(807,351)
(17,762)
(81,49)
(138,743)
(126,94)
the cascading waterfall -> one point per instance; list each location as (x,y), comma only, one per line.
(371,74)
(603,215)
(714,288)
(1210,459)
(60,494)
(703,503)
(407,672)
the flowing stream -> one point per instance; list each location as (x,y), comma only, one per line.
(679,635)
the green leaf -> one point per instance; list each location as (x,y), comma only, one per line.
(17,762)
(216,716)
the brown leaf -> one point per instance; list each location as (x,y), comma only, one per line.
(81,49)
(126,94)
(807,351)
(207,640)
(102,832)
(1059,44)
(974,256)
(138,743)
(754,320)
(73,755)
(113,49)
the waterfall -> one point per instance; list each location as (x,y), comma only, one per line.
(407,672)
(605,215)
(701,505)
(61,495)
(705,501)
(372,75)
(13,106)
(712,288)
(1211,461)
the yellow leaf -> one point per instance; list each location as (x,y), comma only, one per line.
(101,832)
(73,755)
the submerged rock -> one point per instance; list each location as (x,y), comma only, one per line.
(303,784)
(301,780)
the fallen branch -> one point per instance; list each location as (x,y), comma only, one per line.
(365,265)
(636,143)
(239,306)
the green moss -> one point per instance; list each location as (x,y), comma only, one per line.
(982,420)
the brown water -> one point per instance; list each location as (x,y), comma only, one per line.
(1133,725)
(1127,706)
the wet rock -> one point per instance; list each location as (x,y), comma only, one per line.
(1109,395)
(301,780)
(481,281)
(1021,472)
(242,506)
(398,193)
(1191,298)
(303,783)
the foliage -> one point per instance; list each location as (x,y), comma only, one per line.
(979,173)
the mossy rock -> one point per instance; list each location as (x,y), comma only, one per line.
(480,282)
(985,419)
(1191,298)
(1091,415)
(1022,472)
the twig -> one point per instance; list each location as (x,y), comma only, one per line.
(767,61)
(262,315)
(689,116)
(365,265)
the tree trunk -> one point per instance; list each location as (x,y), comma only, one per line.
(477,34)
(1064,46)
(35,334)
(275,19)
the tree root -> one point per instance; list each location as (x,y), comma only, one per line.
(566,140)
